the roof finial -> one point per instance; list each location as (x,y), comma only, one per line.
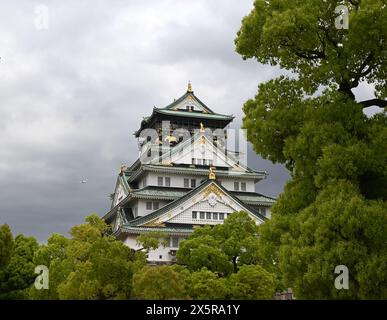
(202,129)
(211,173)
(189,87)
(122,169)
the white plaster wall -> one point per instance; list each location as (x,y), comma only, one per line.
(198,151)
(119,195)
(178,180)
(143,211)
(186,215)
(154,255)
(228,183)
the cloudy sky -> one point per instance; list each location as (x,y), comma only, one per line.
(74,87)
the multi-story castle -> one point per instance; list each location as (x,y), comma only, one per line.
(185,177)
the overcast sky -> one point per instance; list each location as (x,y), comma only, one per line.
(72,94)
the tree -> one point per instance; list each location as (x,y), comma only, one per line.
(18,270)
(339,228)
(101,267)
(223,247)
(90,265)
(151,241)
(206,285)
(6,245)
(52,255)
(312,122)
(301,36)
(251,282)
(158,283)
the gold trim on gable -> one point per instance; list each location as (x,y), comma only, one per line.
(212,189)
(156,224)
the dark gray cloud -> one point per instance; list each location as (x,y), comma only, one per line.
(72,95)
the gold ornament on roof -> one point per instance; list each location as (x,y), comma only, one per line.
(211,173)
(122,169)
(171,139)
(189,87)
(202,129)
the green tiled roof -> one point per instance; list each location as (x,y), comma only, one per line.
(255,198)
(208,114)
(159,193)
(175,193)
(215,116)
(150,229)
(183,97)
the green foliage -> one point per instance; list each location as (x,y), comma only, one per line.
(339,228)
(17,273)
(333,210)
(151,240)
(252,282)
(222,247)
(6,245)
(206,285)
(52,255)
(158,283)
(301,36)
(90,265)
(100,266)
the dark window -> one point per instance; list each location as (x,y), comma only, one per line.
(208,215)
(236,186)
(221,216)
(167,181)
(159,181)
(243,186)
(194,215)
(215,216)
(156,205)
(160,256)
(174,242)
(193,183)
(263,211)
(149,205)
(186,183)
(202,215)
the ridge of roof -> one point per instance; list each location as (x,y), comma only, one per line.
(184,96)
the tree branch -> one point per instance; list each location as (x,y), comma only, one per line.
(374,102)
(361,72)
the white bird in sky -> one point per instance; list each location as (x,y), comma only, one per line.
(83,181)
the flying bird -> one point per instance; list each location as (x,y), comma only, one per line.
(83,181)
